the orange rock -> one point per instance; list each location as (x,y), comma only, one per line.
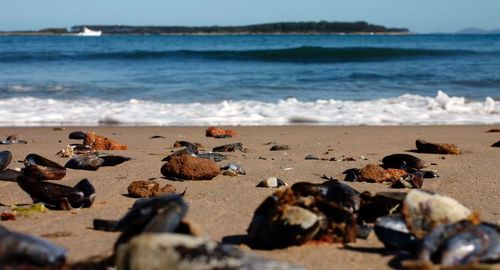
(394,174)
(372,173)
(186,167)
(148,189)
(437,148)
(98,142)
(220,133)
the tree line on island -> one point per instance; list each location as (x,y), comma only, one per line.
(322,27)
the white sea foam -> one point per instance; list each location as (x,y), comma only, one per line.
(403,110)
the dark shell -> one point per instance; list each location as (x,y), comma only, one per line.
(286,218)
(9,175)
(5,159)
(351,175)
(277,226)
(233,147)
(461,243)
(213,156)
(190,147)
(89,162)
(279,147)
(110,160)
(58,196)
(497,144)
(17,248)
(157,214)
(392,231)
(404,161)
(40,168)
(381,204)
(77,135)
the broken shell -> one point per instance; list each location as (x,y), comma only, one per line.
(272,182)
(212,156)
(177,251)
(233,147)
(279,147)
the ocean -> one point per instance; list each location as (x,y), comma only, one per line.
(250,80)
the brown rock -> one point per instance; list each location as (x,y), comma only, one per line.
(189,168)
(372,173)
(98,142)
(437,148)
(220,133)
(148,189)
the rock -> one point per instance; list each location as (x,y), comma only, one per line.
(279,147)
(187,167)
(372,173)
(98,142)
(272,182)
(148,189)
(497,144)
(220,133)
(232,147)
(437,148)
(158,251)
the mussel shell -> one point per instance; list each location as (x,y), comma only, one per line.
(461,243)
(88,192)
(309,189)
(89,162)
(381,204)
(190,147)
(278,226)
(229,148)
(393,233)
(9,175)
(40,168)
(110,160)
(157,214)
(403,161)
(17,248)
(340,222)
(54,195)
(342,195)
(77,135)
(212,156)
(5,159)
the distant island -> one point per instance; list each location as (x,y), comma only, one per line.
(322,27)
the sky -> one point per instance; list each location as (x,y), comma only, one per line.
(420,16)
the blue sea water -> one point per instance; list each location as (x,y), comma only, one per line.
(250,79)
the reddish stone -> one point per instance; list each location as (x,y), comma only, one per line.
(437,148)
(372,173)
(98,142)
(187,167)
(220,133)
(148,189)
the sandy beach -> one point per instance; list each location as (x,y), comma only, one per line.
(223,207)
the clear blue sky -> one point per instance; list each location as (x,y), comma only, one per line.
(421,16)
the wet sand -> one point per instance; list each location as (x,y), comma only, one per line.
(223,207)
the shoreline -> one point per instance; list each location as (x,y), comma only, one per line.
(223,207)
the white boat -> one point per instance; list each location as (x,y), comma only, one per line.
(89,33)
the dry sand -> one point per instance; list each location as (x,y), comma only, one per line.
(223,207)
